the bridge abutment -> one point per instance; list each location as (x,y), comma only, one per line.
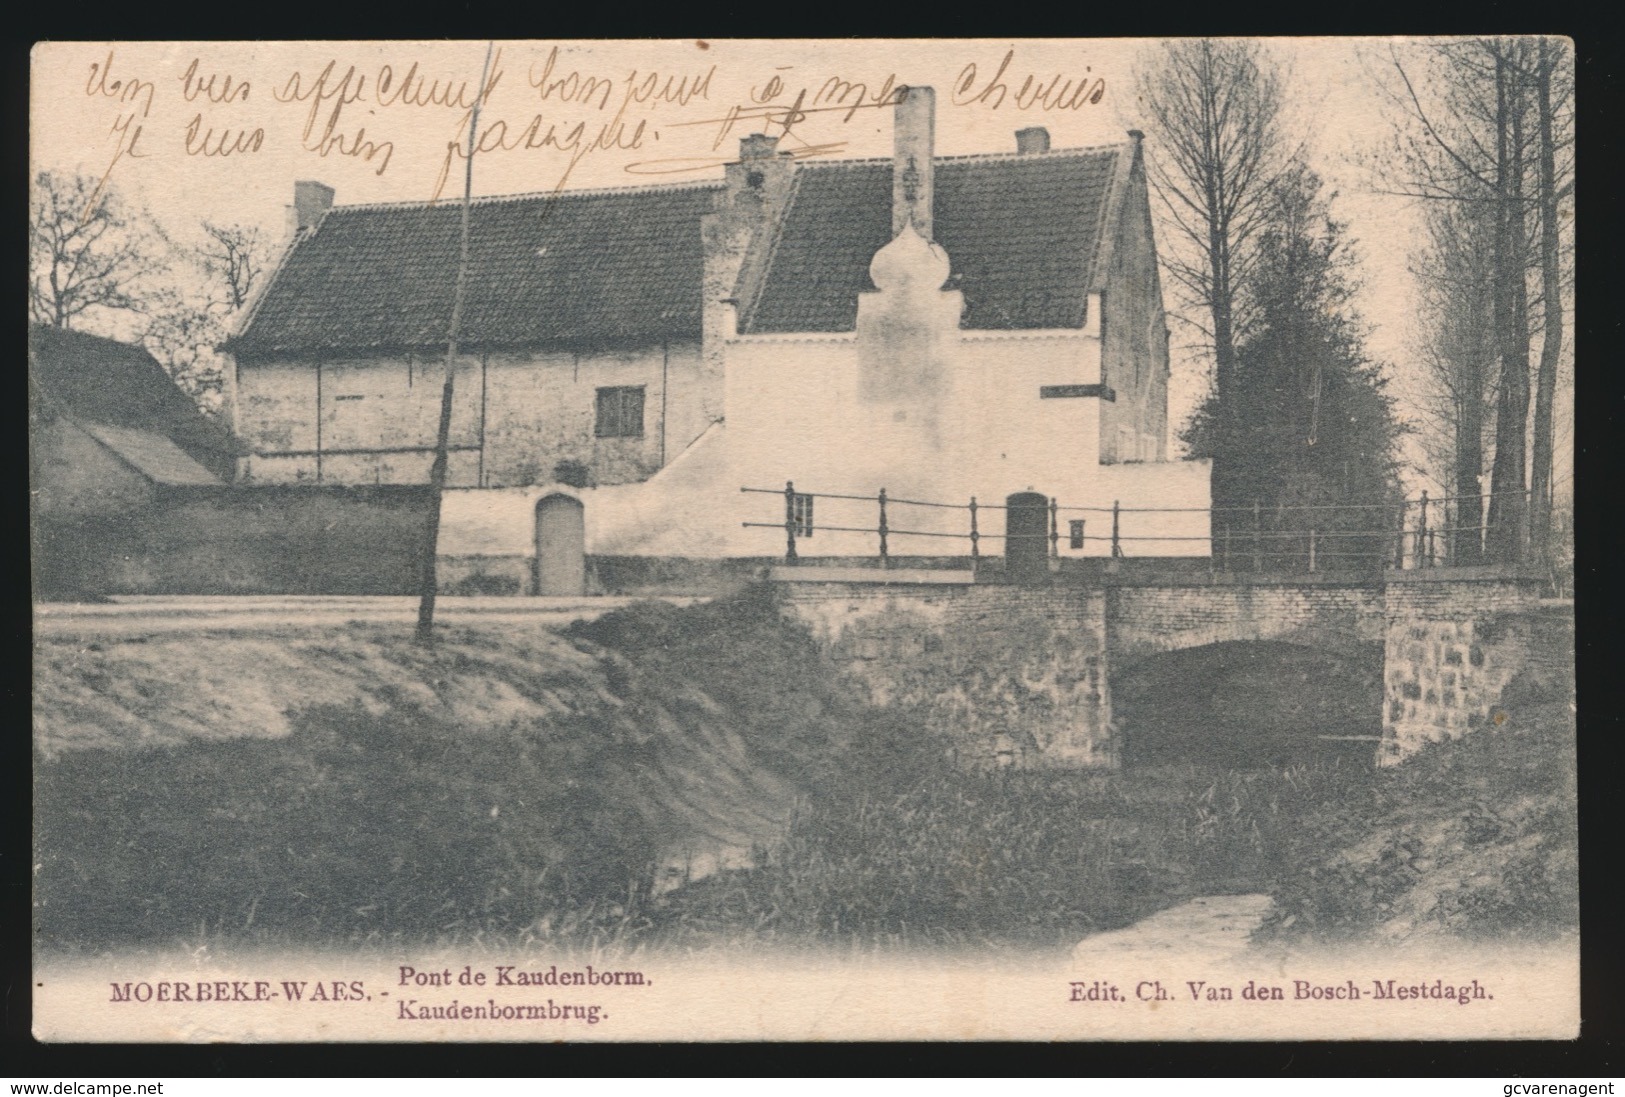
(1454,639)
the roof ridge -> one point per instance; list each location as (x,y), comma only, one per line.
(495,199)
(1050,154)
(717,184)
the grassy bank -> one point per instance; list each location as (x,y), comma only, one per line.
(1476,837)
(340,785)
(343,787)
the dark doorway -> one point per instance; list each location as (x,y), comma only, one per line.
(1026,537)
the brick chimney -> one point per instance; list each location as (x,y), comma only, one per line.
(311,201)
(914,139)
(1032,139)
(758,146)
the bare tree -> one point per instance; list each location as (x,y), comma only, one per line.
(189,315)
(234,259)
(1215,111)
(1469,133)
(89,257)
(1454,272)
(1552,103)
(96,263)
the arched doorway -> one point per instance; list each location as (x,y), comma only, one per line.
(561,547)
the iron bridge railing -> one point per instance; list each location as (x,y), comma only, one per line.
(1410,534)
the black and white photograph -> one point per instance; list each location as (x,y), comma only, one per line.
(849,539)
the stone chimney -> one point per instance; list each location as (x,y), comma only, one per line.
(311,201)
(1032,139)
(758,146)
(914,137)
(735,238)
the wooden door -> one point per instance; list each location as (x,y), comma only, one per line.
(561,547)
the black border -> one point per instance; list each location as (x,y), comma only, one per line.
(1596,1053)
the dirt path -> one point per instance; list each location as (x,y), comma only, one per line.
(138,616)
(1211,928)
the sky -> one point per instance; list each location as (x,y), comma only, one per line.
(220,131)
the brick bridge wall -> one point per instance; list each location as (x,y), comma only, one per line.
(1021,675)
(1017,674)
(1454,639)
(1146,618)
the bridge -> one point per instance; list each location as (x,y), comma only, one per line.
(1021,673)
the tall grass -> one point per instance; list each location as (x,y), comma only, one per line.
(1018,860)
(1475,837)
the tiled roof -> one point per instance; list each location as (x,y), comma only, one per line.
(1022,234)
(93,380)
(626,266)
(152,455)
(584,266)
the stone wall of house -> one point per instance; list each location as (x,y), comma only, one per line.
(1455,638)
(515,416)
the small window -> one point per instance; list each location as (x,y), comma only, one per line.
(1076,540)
(620,412)
(801,513)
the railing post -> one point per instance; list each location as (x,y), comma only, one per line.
(789,522)
(1258,530)
(884,554)
(1226,546)
(1311,550)
(975,537)
(1054,529)
(1117,542)
(1422,533)
(1399,540)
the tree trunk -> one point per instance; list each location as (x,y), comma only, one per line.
(430,580)
(1466,546)
(1507,499)
(1551,349)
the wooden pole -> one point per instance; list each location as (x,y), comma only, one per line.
(437,471)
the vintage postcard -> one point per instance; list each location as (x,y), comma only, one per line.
(802,540)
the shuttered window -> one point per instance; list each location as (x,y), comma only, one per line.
(620,412)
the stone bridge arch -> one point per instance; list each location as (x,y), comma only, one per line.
(1145,618)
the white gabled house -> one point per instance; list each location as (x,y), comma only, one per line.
(940,327)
